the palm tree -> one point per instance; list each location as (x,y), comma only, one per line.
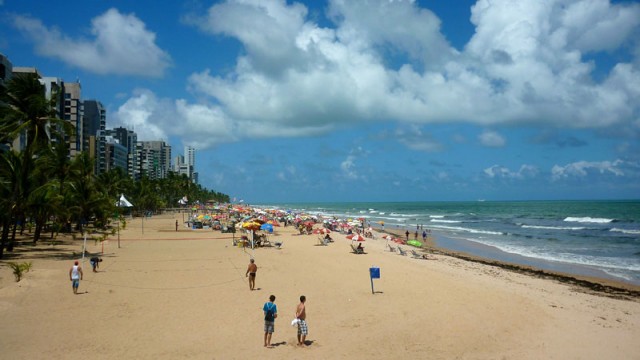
(11,175)
(26,110)
(85,194)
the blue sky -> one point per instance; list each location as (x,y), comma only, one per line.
(384,100)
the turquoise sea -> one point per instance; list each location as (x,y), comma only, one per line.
(595,238)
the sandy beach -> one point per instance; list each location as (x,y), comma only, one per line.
(172,295)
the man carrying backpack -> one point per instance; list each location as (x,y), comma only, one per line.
(270,315)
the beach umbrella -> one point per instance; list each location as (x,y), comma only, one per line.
(357,237)
(267,227)
(321,231)
(251,225)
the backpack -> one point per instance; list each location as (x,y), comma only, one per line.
(269,314)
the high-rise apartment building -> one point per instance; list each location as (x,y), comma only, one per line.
(94,122)
(154,159)
(128,139)
(20,142)
(73,110)
(180,166)
(115,154)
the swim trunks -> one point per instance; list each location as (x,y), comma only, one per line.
(302,327)
(269,326)
(252,274)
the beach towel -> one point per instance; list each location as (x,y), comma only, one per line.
(295,322)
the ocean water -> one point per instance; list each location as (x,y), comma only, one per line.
(596,238)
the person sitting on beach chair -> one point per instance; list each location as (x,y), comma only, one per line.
(419,256)
(266,241)
(328,238)
(322,241)
(357,249)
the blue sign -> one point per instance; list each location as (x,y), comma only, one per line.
(374,272)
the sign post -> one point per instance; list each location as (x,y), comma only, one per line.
(374,273)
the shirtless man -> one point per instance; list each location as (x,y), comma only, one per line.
(301,315)
(251,273)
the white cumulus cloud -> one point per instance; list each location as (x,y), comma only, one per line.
(119,44)
(525,63)
(582,169)
(491,139)
(389,61)
(500,172)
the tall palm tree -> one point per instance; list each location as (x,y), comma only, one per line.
(25,109)
(11,205)
(85,194)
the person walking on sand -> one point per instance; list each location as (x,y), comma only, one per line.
(270,315)
(251,273)
(301,315)
(176,225)
(75,275)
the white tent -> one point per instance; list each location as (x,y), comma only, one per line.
(123,202)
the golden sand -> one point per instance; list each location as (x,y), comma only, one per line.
(172,295)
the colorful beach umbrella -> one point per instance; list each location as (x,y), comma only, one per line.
(267,227)
(357,237)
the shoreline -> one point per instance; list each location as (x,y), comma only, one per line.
(613,288)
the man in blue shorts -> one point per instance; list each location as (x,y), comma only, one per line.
(270,315)
(75,275)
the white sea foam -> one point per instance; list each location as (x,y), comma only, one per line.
(626,231)
(446,221)
(610,265)
(472,231)
(553,227)
(436,216)
(588,220)
(405,215)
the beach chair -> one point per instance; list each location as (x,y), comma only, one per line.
(322,241)
(356,250)
(266,241)
(418,256)
(401,251)
(278,244)
(391,248)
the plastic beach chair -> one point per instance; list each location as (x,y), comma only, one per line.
(401,252)
(391,248)
(356,250)
(416,255)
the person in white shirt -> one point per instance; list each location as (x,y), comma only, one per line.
(75,275)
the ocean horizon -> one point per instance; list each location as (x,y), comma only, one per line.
(598,238)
